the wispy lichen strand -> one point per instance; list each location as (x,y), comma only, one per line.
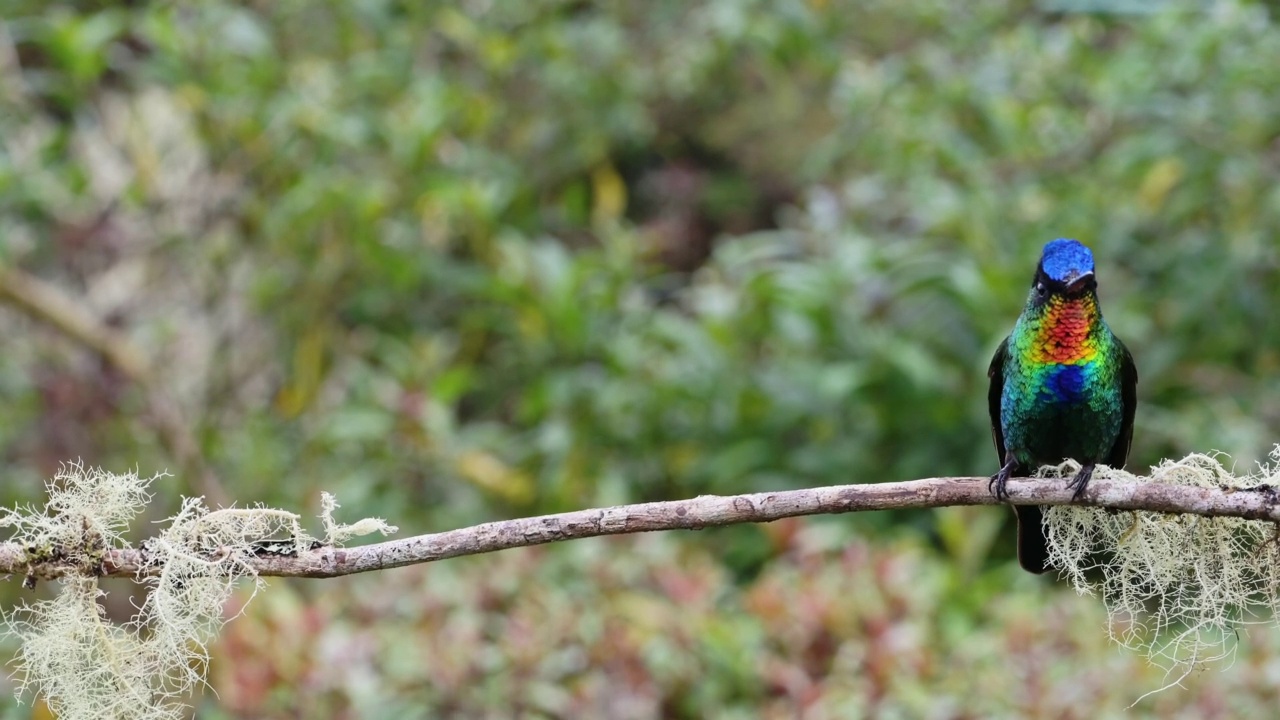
(86,666)
(1177,587)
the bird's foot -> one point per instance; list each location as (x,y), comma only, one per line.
(1081,481)
(996,484)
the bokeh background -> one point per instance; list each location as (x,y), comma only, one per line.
(463,261)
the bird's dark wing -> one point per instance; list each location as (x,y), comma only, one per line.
(1129,399)
(996,373)
(1033,548)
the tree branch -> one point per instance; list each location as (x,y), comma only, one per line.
(702,512)
(45,302)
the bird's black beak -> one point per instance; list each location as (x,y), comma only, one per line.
(1080,282)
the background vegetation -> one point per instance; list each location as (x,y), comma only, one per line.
(458,261)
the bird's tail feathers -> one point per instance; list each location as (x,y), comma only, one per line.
(1033,546)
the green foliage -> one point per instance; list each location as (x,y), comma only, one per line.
(439,232)
(462,261)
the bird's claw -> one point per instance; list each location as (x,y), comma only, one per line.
(1080,482)
(996,485)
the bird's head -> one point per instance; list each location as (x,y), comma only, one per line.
(1066,268)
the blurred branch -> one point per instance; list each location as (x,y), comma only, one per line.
(701,512)
(46,303)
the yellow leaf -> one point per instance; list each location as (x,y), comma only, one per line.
(609,195)
(680,457)
(1159,180)
(532,324)
(308,372)
(491,474)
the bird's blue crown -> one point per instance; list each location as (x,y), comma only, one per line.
(1064,259)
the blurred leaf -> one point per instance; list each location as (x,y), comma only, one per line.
(610,195)
(1162,178)
(495,476)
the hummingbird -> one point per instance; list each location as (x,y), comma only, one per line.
(1063,387)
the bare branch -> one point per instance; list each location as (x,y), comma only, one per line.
(702,512)
(45,302)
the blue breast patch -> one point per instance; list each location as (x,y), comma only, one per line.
(1065,383)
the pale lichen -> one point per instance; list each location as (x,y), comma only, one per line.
(86,666)
(1177,587)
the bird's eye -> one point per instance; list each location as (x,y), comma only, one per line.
(1040,288)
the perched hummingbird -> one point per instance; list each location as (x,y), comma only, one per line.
(1062,386)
